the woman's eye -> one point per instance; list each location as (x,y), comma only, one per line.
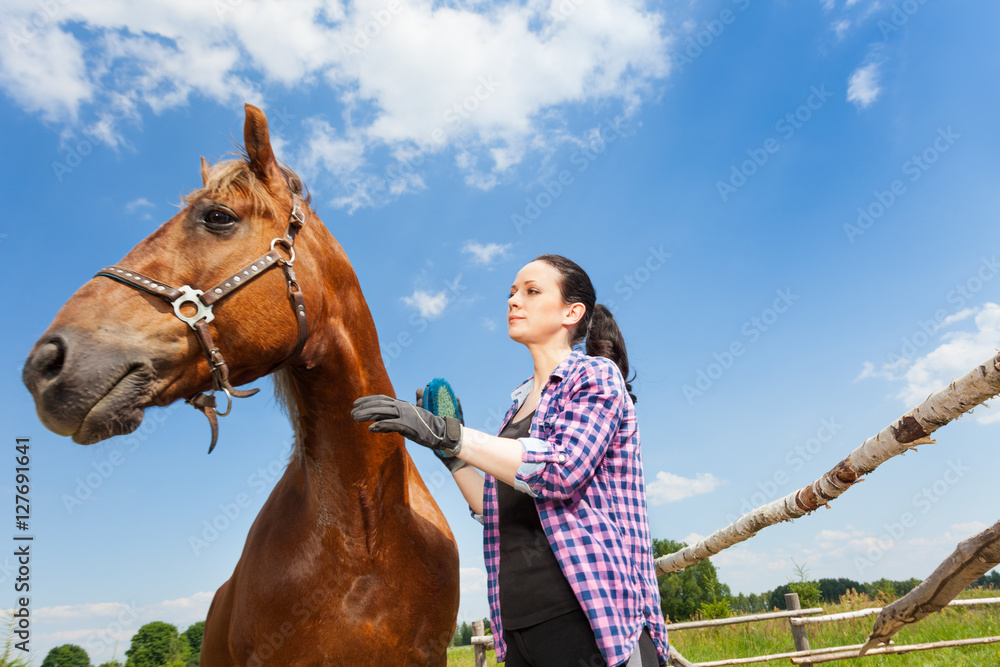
(217,218)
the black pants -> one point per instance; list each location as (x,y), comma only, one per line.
(565,641)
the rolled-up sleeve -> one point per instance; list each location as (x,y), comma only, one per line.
(577,439)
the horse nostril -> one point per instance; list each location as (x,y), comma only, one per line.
(48,360)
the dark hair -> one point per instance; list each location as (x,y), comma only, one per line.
(598,325)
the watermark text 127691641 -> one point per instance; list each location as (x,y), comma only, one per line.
(22,543)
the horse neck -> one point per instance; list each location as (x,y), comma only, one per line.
(342,362)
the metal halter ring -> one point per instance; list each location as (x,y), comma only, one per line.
(229,403)
(190,295)
(288,247)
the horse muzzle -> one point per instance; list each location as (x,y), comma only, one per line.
(87,390)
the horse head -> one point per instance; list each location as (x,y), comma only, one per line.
(138,333)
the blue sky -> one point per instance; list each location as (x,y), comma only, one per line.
(791,208)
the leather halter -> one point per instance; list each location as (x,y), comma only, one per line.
(204,301)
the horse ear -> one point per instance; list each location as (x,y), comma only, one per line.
(204,172)
(258,145)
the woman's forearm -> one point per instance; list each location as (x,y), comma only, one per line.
(500,457)
(470,483)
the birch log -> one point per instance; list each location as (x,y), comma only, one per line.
(972,559)
(675,659)
(912,429)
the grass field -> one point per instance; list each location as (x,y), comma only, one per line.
(750,639)
(461,656)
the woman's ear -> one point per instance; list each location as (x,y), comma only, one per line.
(574,313)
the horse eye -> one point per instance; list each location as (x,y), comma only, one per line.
(217,218)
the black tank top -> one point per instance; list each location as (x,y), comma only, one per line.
(532,587)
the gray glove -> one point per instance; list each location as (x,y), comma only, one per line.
(452,463)
(423,427)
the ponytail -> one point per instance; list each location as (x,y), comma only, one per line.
(598,325)
(604,339)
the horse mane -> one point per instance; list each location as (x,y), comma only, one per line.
(235,177)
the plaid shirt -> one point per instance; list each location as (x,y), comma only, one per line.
(582,464)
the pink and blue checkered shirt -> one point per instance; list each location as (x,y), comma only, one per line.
(583,466)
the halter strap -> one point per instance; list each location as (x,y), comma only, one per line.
(203,302)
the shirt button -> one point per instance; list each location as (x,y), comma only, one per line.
(562,458)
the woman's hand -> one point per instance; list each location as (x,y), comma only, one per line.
(452,463)
(423,427)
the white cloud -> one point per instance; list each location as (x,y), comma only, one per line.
(427,304)
(841,28)
(490,80)
(960,353)
(179,610)
(472,580)
(136,204)
(957,354)
(486,254)
(489,324)
(693,538)
(669,488)
(863,85)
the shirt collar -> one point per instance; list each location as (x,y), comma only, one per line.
(521,393)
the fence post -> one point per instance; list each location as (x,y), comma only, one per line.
(798,631)
(479,650)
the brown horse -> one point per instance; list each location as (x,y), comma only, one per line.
(350,561)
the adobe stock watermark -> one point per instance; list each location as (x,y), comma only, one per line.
(901,13)
(261,481)
(923,502)
(633,281)
(606,133)
(751,331)
(914,168)
(87,484)
(959,295)
(786,127)
(453,117)
(392,348)
(48,11)
(563,9)
(373,27)
(107,638)
(795,458)
(710,31)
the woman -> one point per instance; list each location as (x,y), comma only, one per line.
(567,545)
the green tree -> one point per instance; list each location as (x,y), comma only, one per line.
(684,593)
(988,580)
(833,589)
(111,663)
(67,655)
(466,634)
(193,637)
(157,644)
(808,591)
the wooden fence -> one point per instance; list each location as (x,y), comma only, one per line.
(973,557)
(798,620)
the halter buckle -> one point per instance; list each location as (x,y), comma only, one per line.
(297,217)
(190,295)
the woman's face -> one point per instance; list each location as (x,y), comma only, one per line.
(535,310)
